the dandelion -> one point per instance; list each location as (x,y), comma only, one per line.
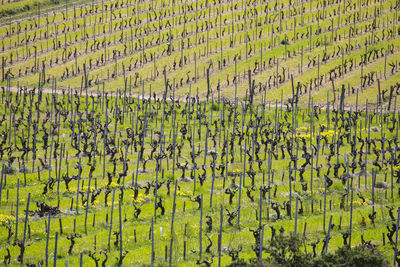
(114,185)
(7,221)
(180,193)
(300,129)
(141,198)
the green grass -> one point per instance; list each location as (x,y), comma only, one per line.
(233,236)
(89,33)
(132,25)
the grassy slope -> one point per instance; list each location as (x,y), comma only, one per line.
(70,35)
(139,253)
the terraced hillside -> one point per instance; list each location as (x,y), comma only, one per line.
(226,47)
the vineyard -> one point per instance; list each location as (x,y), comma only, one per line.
(242,133)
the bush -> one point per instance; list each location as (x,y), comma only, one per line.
(361,256)
(283,252)
(215,107)
(285,42)
(10,169)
